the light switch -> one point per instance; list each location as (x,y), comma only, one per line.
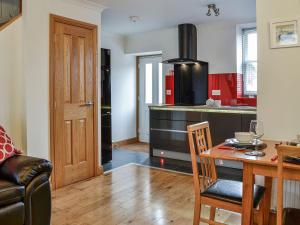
(168,92)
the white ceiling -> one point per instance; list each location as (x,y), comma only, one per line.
(158,14)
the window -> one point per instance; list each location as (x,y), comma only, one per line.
(160,83)
(148,84)
(249,64)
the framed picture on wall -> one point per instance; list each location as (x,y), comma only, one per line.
(285,33)
(9,11)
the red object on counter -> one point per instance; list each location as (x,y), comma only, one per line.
(224,147)
(274,158)
(170,89)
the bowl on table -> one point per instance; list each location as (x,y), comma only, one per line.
(244,137)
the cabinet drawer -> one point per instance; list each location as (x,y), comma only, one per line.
(168,124)
(160,115)
(169,140)
(175,115)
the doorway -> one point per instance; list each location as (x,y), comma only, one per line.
(73,99)
(150,91)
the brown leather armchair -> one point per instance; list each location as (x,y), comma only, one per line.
(25,195)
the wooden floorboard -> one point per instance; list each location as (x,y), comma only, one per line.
(137,147)
(131,195)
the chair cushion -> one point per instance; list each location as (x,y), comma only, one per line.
(291,216)
(232,191)
(10,193)
(12,214)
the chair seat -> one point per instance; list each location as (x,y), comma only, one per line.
(232,191)
(291,216)
(10,193)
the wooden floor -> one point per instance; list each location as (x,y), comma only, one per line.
(137,147)
(132,195)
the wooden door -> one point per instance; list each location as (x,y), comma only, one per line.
(74,68)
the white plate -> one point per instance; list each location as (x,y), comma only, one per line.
(234,141)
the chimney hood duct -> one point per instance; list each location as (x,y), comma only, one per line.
(187,38)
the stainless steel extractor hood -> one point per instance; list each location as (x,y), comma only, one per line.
(187,38)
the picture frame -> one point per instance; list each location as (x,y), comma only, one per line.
(9,12)
(285,33)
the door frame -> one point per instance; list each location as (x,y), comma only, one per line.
(53,19)
(138,59)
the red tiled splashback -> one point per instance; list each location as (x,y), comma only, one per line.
(228,87)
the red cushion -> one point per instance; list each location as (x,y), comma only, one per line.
(7,148)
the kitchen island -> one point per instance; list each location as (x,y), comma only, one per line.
(168,127)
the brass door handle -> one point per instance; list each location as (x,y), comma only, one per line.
(89,103)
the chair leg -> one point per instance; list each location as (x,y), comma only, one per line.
(197,212)
(261,214)
(212,213)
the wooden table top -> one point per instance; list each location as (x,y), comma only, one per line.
(239,155)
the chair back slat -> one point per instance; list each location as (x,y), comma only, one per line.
(283,151)
(199,142)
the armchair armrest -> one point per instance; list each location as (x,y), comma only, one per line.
(22,169)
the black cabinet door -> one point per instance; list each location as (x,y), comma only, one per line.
(167,128)
(168,135)
(223,125)
(246,120)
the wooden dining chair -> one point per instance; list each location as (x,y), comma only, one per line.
(288,216)
(209,190)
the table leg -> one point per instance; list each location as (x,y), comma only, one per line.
(247,204)
(267,199)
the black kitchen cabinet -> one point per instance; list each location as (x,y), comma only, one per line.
(168,134)
(168,128)
(246,120)
(223,125)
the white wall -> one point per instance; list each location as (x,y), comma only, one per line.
(36,63)
(216,44)
(278,74)
(165,40)
(12,110)
(123,84)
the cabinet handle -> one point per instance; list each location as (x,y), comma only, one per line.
(168,130)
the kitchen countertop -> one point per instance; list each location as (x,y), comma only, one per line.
(205,108)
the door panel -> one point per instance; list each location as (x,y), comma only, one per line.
(73,101)
(149,91)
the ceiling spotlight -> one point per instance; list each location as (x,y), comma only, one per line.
(134,19)
(213,8)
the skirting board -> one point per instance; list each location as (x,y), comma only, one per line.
(100,170)
(125,142)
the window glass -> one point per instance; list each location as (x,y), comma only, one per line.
(148,84)
(160,83)
(250,61)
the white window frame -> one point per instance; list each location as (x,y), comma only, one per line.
(245,62)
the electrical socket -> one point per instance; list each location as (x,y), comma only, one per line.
(216,92)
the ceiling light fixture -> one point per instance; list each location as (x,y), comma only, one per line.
(213,7)
(134,19)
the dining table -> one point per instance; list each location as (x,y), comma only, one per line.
(265,166)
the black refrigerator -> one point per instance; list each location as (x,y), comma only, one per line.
(106,131)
